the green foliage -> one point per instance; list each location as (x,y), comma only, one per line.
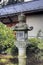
(6,37)
(40,45)
(8,51)
(35,46)
(36,42)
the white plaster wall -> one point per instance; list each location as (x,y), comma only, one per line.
(37,22)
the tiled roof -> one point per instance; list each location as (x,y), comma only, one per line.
(21,7)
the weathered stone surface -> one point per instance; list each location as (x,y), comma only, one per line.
(21,29)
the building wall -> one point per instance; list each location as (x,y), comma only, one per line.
(37,22)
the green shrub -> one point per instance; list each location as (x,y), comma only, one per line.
(36,48)
(36,44)
(6,37)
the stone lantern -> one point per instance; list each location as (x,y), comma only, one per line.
(21,29)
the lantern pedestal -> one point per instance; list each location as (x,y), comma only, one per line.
(22,61)
(22,56)
(21,45)
(22,52)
